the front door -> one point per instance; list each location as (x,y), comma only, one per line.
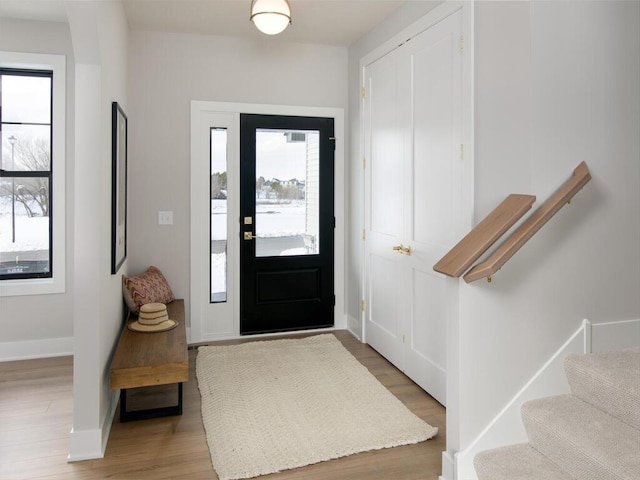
(286,223)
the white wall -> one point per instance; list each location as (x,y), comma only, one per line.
(167,71)
(556,83)
(42,325)
(100,37)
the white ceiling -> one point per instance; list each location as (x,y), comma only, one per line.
(328,22)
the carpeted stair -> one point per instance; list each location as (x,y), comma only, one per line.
(591,434)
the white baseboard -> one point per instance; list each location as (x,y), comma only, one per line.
(92,443)
(615,335)
(29,349)
(85,445)
(448,467)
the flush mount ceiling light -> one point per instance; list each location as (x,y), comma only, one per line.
(270,16)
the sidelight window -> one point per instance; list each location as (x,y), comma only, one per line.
(218,200)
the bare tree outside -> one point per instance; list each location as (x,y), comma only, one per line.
(31,193)
(219,185)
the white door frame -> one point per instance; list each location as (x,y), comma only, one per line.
(201,113)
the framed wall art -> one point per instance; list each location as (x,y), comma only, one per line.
(118,187)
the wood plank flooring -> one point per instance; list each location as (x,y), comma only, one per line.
(36,417)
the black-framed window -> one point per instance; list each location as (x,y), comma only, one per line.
(26,181)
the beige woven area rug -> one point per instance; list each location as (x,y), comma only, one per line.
(274,405)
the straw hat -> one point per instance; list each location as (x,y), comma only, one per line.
(153,317)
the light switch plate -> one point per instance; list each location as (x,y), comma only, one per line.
(165,218)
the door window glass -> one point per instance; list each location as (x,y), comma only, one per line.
(287,192)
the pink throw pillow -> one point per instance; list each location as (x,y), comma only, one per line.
(148,287)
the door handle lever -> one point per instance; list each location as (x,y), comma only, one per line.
(249,236)
(400,248)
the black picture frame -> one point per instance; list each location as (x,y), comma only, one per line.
(119,140)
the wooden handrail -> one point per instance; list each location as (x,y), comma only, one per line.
(483,235)
(534,223)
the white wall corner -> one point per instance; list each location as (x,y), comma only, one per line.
(341,319)
(587,335)
(92,443)
(29,349)
(507,428)
(108,418)
(448,467)
(354,326)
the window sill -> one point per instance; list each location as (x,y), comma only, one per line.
(32,286)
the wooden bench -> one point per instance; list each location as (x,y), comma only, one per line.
(147,359)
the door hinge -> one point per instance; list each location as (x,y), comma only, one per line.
(461,43)
(334,222)
(364,234)
(403,339)
(364,162)
(363,305)
(333,139)
(461,151)
(334,300)
(364,92)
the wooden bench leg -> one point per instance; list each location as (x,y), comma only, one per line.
(130,415)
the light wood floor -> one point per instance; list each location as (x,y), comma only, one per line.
(36,417)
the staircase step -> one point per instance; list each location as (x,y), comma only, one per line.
(609,381)
(581,439)
(522,462)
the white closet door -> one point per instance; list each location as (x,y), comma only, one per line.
(433,198)
(412,198)
(383,206)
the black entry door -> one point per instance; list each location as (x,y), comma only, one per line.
(286,224)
